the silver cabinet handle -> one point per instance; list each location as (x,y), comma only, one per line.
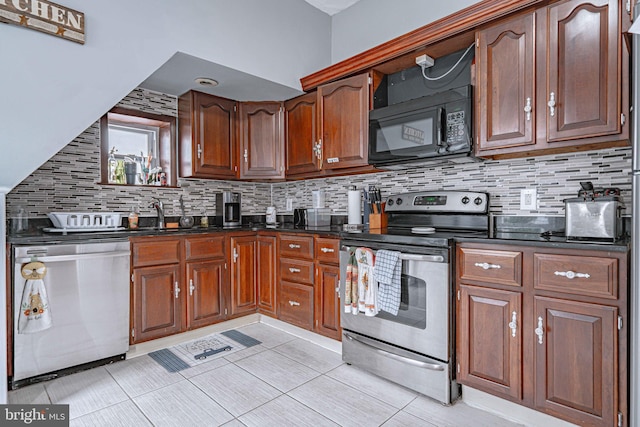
(199,151)
(294,246)
(539,330)
(327,250)
(572,274)
(235,254)
(552,104)
(293,303)
(294,270)
(513,325)
(191,287)
(338,290)
(486,265)
(246,155)
(176,289)
(527,109)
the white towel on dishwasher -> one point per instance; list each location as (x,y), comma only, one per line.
(35,314)
(388,272)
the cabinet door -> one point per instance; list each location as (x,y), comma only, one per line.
(261,140)
(243,277)
(344,122)
(490,340)
(327,301)
(584,81)
(207,127)
(267,267)
(301,134)
(576,350)
(506,84)
(157,302)
(205,302)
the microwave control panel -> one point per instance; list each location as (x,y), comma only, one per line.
(456,127)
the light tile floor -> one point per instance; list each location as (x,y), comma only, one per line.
(285,381)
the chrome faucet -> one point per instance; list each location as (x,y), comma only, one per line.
(156,203)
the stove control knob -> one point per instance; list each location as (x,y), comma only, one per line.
(478,201)
(398,201)
(465,200)
(390,202)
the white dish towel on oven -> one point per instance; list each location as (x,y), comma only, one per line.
(387,272)
(367,286)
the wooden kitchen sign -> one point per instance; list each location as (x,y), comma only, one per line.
(45,16)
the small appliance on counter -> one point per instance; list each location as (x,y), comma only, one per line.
(228,208)
(595,215)
(299,217)
(271,215)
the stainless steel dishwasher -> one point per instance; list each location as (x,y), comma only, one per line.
(87,292)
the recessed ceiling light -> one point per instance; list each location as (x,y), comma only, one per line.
(206,81)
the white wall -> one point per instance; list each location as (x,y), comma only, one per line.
(369,23)
(53,89)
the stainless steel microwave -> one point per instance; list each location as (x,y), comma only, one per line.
(427,128)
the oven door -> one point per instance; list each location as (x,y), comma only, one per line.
(423,323)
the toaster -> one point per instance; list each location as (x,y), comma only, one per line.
(595,219)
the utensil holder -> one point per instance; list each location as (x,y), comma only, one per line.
(377,221)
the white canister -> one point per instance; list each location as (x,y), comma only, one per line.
(271,215)
(318,198)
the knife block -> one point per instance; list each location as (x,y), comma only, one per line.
(377,221)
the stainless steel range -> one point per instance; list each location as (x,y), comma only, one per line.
(415,347)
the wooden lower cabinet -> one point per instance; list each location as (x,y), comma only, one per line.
(243,275)
(157,305)
(557,343)
(327,303)
(296,304)
(575,360)
(490,349)
(179,283)
(267,262)
(206,302)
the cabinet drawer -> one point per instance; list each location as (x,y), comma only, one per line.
(296,246)
(491,267)
(296,304)
(155,251)
(582,275)
(296,270)
(328,250)
(204,247)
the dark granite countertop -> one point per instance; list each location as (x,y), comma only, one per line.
(547,241)
(36,235)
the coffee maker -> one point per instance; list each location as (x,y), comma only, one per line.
(228,208)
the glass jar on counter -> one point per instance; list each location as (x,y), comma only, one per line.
(133,219)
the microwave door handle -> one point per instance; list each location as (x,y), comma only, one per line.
(442,128)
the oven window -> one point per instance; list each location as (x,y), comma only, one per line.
(413,302)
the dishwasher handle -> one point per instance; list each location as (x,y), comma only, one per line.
(73,257)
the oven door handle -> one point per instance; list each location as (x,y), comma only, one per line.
(403,359)
(428,258)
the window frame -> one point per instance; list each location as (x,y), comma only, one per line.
(166,141)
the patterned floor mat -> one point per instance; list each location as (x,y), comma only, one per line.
(202,350)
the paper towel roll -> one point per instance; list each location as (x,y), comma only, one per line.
(355,216)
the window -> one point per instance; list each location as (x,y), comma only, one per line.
(137,148)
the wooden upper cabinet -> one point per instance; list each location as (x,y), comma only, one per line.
(583,47)
(261,140)
(506,84)
(301,135)
(343,122)
(207,136)
(551,81)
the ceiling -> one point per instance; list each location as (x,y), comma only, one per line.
(331,7)
(178,74)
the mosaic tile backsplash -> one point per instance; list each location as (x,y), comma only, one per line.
(69,181)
